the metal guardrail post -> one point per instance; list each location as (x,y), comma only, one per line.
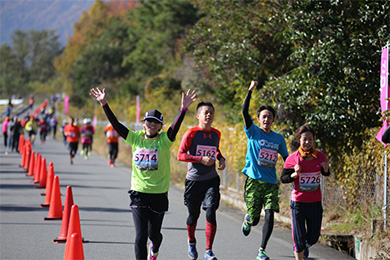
(224,173)
(377,188)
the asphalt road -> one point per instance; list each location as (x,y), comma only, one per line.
(106,222)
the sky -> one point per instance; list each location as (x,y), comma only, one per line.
(25,15)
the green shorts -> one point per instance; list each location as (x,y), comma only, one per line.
(260,194)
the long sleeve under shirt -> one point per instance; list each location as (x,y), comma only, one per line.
(151,156)
(195,144)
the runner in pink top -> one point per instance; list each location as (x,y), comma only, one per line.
(303,169)
(87,131)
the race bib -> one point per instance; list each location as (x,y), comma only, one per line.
(88,133)
(267,158)
(309,181)
(112,133)
(146,159)
(206,150)
(71,134)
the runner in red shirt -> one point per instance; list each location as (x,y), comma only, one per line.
(112,143)
(72,133)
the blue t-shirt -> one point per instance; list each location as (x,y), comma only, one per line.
(262,154)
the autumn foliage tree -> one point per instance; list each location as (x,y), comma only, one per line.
(235,42)
(95,52)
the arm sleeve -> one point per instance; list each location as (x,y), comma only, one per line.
(245,107)
(325,173)
(285,177)
(121,129)
(219,155)
(174,128)
(185,145)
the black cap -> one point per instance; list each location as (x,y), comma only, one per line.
(154,114)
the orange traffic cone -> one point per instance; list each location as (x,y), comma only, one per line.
(74,248)
(43,175)
(74,225)
(23,152)
(49,185)
(37,171)
(55,209)
(31,164)
(74,221)
(66,217)
(27,159)
(21,143)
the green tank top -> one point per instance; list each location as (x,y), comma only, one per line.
(150,162)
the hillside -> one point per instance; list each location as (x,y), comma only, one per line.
(25,15)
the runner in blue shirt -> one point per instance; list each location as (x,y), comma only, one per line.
(261,189)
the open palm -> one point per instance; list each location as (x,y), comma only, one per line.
(99,95)
(188,99)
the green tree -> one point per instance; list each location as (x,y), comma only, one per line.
(157,27)
(235,42)
(44,47)
(21,47)
(10,64)
(86,29)
(11,81)
(11,73)
(30,58)
(335,83)
(101,62)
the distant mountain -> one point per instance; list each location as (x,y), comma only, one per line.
(25,15)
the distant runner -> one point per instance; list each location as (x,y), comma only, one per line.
(72,133)
(112,143)
(87,131)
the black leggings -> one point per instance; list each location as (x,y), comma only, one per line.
(267,228)
(147,224)
(113,151)
(5,138)
(194,212)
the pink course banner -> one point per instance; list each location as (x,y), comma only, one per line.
(66,105)
(384,89)
(94,121)
(138,109)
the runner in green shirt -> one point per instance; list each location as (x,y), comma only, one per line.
(151,171)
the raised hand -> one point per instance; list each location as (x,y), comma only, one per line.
(253,85)
(99,95)
(188,99)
